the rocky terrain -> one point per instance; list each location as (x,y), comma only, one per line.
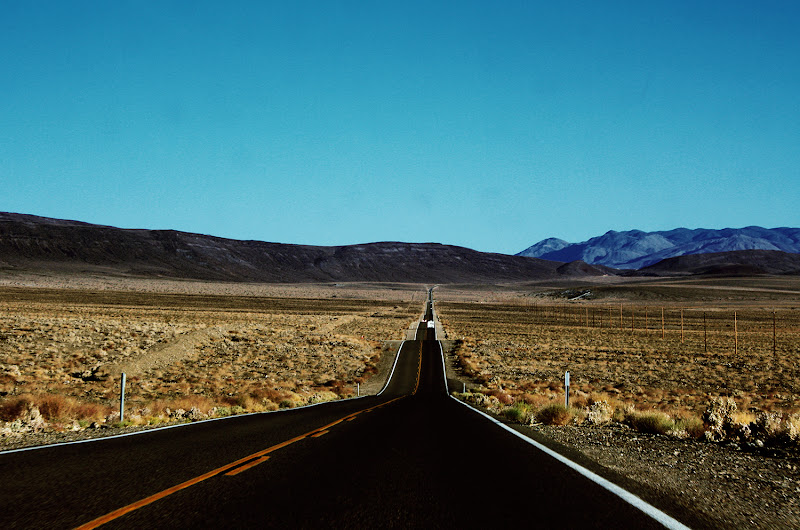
(722,485)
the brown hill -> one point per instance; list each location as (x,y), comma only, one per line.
(42,244)
(737,262)
(581,268)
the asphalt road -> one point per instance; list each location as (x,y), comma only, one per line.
(411,457)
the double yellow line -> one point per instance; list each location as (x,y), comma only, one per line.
(231,469)
(419,370)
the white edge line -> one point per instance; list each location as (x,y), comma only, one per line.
(145,431)
(391,374)
(624,494)
(444,369)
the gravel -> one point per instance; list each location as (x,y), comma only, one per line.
(706,484)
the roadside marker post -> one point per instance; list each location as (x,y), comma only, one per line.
(358,389)
(122,399)
(566,390)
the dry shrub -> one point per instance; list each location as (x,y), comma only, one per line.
(554,414)
(322,397)
(580,400)
(599,413)
(245,401)
(91,411)
(775,427)
(691,425)
(479,400)
(650,422)
(501,395)
(186,403)
(792,423)
(270,394)
(201,403)
(14,407)
(519,412)
(537,400)
(55,407)
(340,388)
(269,406)
(52,407)
(718,418)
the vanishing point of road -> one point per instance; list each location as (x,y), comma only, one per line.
(410,457)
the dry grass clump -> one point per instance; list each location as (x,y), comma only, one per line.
(554,414)
(52,407)
(520,412)
(13,408)
(650,422)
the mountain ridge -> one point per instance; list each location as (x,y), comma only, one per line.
(735,262)
(636,249)
(29,242)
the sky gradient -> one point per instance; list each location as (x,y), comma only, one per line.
(481,124)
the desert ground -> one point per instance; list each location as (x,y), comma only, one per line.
(665,345)
(700,407)
(189,351)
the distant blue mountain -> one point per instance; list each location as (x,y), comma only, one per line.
(635,249)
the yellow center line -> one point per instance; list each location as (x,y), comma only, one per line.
(191,482)
(320,433)
(246,466)
(419,370)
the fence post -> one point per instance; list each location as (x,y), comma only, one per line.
(774,335)
(122,399)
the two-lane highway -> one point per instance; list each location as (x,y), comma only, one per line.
(411,457)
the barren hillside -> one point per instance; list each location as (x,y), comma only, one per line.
(30,243)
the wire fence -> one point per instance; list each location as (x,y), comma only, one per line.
(704,329)
(689,353)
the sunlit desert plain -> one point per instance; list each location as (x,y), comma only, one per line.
(670,346)
(187,355)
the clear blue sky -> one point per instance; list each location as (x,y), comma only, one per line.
(490,125)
